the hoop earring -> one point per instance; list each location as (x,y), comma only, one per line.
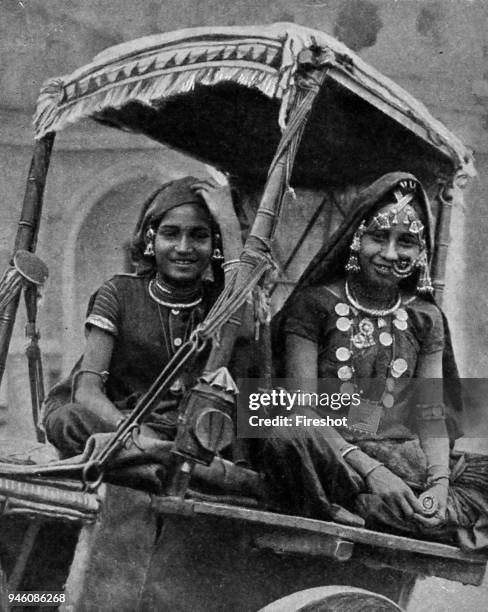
(352,264)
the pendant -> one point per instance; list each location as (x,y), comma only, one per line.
(401,314)
(343,353)
(386,339)
(343,324)
(360,341)
(342,309)
(344,372)
(390,384)
(175,312)
(366,326)
(401,325)
(388,400)
(365,337)
(398,367)
(177,341)
(381,323)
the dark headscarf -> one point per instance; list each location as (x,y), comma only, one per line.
(165,198)
(329,263)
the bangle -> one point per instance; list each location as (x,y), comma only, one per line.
(229,263)
(348,450)
(371,470)
(438,480)
(102,375)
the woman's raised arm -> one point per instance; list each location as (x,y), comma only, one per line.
(218,198)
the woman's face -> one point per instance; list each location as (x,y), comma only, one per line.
(386,250)
(183,244)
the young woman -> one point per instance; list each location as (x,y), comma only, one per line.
(364,314)
(136,322)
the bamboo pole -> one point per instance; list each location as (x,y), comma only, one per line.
(27,232)
(445,197)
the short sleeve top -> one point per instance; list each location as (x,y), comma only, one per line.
(313,313)
(142,343)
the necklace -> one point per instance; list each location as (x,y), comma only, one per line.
(362,334)
(168,301)
(372,312)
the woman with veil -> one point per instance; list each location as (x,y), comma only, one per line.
(363,314)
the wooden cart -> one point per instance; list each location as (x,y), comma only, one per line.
(243,100)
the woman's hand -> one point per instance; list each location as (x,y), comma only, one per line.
(394,492)
(439,492)
(218,198)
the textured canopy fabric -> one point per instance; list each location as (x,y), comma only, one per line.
(197,87)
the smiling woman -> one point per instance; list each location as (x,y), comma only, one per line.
(136,322)
(363,314)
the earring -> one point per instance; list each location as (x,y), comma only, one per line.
(424,284)
(149,239)
(352,264)
(217,254)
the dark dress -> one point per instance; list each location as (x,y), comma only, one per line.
(307,475)
(146,335)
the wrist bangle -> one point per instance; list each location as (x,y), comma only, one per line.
(348,450)
(440,480)
(371,470)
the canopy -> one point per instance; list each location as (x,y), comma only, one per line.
(221,95)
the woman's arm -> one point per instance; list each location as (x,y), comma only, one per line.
(218,198)
(89,388)
(301,365)
(432,431)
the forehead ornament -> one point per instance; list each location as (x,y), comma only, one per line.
(399,212)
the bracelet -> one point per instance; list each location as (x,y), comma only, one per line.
(438,480)
(437,471)
(348,450)
(102,375)
(371,470)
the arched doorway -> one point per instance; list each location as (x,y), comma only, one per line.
(101,250)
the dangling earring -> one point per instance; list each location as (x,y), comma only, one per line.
(149,238)
(424,284)
(352,264)
(217,253)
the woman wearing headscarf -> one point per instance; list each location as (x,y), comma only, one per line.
(136,322)
(363,314)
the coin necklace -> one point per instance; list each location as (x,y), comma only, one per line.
(364,337)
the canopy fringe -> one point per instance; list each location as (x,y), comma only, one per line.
(53,114)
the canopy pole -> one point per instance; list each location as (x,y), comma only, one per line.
(449,192)
(27,232)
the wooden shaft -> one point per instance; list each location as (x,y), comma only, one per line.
(27,231)
(442,230)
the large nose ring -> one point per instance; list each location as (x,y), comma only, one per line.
(403,267)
